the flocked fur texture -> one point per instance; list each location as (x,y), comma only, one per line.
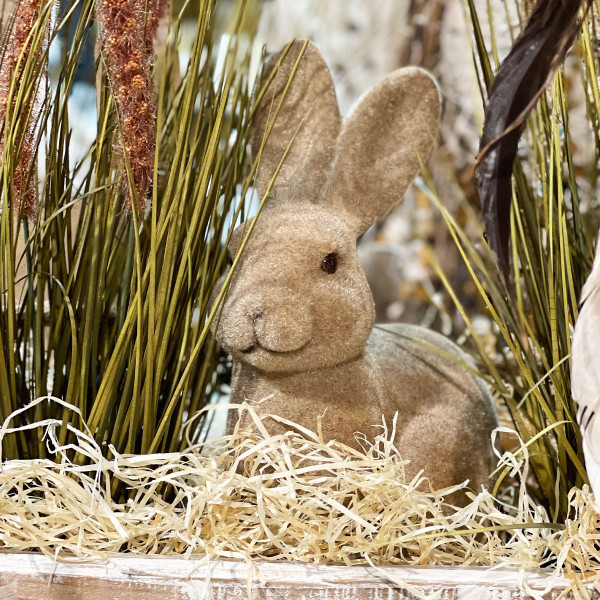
(298,317)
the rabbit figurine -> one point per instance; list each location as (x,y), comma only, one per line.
(298,315)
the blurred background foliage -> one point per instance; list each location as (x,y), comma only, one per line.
(123,332)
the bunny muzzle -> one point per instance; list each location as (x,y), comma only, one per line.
(257,328)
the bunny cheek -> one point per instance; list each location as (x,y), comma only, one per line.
(266,329)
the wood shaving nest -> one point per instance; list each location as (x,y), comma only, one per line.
(256,496)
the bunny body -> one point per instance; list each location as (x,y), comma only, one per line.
(298,317)
(440,413)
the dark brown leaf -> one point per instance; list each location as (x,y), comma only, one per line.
(520,81)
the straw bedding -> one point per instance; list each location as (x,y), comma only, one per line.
(256,496)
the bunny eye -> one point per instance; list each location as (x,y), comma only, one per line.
(329,263)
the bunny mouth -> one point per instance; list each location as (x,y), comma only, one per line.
(257,346)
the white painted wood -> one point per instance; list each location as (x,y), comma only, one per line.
(27,576)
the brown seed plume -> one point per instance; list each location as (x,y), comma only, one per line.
(18,47)
(128,31)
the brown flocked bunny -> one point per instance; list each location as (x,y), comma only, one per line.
(298,316)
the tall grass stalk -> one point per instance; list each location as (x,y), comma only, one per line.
(104,307)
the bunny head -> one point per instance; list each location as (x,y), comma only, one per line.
(298,299)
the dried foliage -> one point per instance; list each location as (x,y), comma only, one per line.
(518,83)
(285,497)
(553,221)
(109,309)
(21,87)
(127,36)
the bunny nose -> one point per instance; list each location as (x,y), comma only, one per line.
(255,313)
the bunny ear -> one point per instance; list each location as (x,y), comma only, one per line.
(383,144)
(298,113)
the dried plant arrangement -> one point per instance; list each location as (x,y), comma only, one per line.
(103,304)
(542,233)
(107,268)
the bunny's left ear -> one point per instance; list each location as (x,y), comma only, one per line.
(383,144)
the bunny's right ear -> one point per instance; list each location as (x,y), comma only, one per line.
(298,109)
